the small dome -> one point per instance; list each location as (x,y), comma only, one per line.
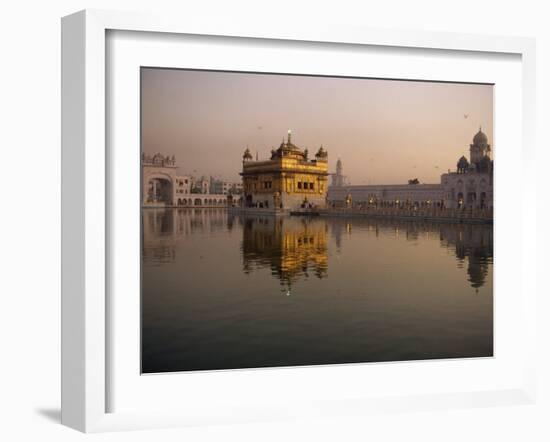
(247,155)
(480,137)
(462,164)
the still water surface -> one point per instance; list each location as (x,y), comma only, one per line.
(224,291)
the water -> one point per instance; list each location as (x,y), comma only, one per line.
(223,291)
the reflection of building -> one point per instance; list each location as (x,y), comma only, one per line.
(288,180)
(472,243)
(295,248)
(162,228)
(292,247)
(158,236)
(470,186)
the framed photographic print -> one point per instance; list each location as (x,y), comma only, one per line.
(272,256)
(269,223)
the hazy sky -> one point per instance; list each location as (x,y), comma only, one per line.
(384,131)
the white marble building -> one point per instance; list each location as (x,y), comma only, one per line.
(163,187)
(472,183)
(471,186)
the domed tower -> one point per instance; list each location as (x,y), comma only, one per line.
(479,149)
(289,150)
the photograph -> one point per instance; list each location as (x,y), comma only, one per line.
(302,220)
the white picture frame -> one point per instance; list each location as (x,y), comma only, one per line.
(85,202)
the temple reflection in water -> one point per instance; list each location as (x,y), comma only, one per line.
(293,248)
(296,248)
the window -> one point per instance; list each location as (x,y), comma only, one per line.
(299,184)
(311,186)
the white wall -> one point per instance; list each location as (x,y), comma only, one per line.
(30,220)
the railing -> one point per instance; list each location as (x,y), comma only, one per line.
(464,214)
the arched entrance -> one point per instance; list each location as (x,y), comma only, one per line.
(483,200)
(159,190)
(471,199)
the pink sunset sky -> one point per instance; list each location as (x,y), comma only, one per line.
(384,131)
